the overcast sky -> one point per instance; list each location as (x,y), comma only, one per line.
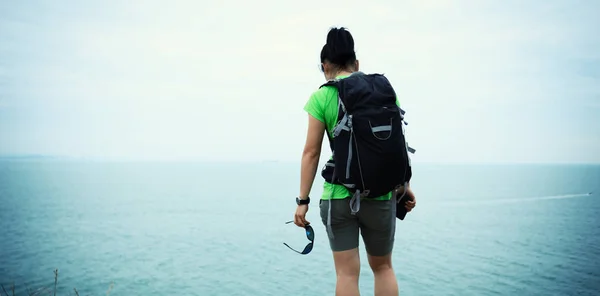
(481,81)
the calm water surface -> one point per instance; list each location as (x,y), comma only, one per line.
(217,229)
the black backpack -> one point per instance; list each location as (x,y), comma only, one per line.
(370,153)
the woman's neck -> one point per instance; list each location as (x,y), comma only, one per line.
(341,73)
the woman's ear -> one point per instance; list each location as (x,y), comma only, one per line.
(328,70)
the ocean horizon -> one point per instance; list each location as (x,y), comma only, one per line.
(217,228)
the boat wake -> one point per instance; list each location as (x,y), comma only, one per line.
(515,200)
(525,199)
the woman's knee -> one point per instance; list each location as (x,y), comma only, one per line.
(380,263)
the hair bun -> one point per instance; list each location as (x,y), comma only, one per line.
(340,46)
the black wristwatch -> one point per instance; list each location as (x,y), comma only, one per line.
(302,201)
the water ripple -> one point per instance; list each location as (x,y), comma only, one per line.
(155,229)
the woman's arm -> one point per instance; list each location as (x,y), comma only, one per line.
(310,155)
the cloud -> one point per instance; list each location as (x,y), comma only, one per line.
(192,80)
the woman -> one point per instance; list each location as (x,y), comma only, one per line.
(338,61)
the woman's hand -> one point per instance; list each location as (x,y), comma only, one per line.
(409,205)
(300,216)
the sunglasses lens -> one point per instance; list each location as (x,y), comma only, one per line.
(307,249)
(310,234)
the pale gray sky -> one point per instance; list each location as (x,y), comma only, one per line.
(481,81)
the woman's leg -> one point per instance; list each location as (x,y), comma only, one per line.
(347,269)
(378,225)
(344,245)
(385,278)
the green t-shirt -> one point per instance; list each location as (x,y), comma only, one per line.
(323,105)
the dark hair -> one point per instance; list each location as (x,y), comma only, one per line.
(339,49)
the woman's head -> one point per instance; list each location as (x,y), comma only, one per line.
(337,55)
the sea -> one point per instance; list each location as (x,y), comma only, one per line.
(193,228)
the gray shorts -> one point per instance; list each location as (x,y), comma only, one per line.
(375,219)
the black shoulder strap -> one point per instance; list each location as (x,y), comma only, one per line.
(334,83)
(340,85)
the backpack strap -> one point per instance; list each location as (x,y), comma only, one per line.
(402,112)
(333,83)
(330,163)
(341,110)
(343,122)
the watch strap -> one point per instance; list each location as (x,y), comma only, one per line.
(302,201)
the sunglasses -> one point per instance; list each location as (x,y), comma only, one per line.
(310,234)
